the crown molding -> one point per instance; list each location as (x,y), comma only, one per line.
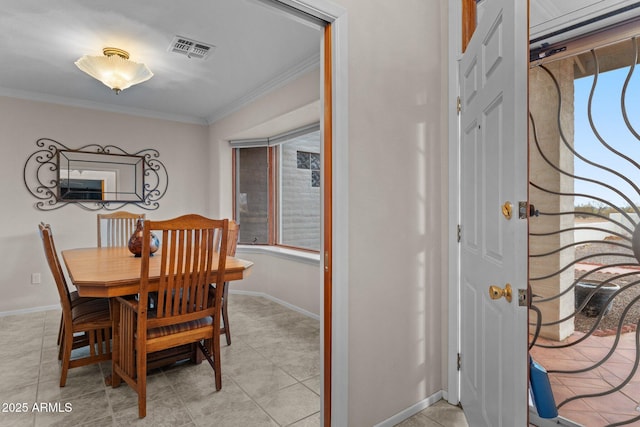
(79,103)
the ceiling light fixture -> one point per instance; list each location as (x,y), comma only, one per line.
(114,69)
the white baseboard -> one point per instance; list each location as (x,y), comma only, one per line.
(29,310)
(276,300)
(412,410)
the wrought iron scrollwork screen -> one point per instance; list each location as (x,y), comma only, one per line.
(585,245)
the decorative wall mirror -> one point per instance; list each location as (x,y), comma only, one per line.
(104,177)
(94,177)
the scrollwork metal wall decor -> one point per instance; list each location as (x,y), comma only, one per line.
(41,173)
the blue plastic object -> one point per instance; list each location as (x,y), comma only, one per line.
(541,390)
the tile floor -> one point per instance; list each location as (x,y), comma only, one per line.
(441,414)
(270,378)
(595,411)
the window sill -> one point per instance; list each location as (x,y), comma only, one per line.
(286,253)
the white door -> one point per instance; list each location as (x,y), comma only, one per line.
(493,249)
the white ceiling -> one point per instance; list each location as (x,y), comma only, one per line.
(257,48)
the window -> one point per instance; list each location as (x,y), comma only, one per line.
(277,189)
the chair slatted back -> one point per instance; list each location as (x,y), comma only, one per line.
(115,229)
(234,235)
(55,266)
(232,243)
(232,239)
(188,257)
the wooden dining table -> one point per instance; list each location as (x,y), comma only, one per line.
(110,272)
(114,271)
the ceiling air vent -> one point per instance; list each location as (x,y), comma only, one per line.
(190,48)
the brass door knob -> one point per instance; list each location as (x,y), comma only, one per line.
(496,292)
(507,210)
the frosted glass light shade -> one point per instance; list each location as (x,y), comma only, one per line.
(114,69)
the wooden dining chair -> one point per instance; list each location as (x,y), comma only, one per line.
(115,229)
(232,243)
(74,298)
(85,321)
(184,313)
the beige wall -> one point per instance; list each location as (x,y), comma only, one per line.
(397,163)
(21,124)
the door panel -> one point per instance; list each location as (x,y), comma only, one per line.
(470,149)
(470,337)
(493,249)
(491,157)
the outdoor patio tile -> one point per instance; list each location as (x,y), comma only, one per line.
(573,354)
(561,393)
(632,391)
(620,370)
(622,356)
(614,418)
(628,354)
(627,341)
(555,379)
(571,381)
(566,365)
(595,354)
(614,403)
(585,418)
(597,373)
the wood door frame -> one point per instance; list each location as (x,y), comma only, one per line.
(334,313)
(327,202)
(468,22)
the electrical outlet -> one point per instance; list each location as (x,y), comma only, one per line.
(36,279)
